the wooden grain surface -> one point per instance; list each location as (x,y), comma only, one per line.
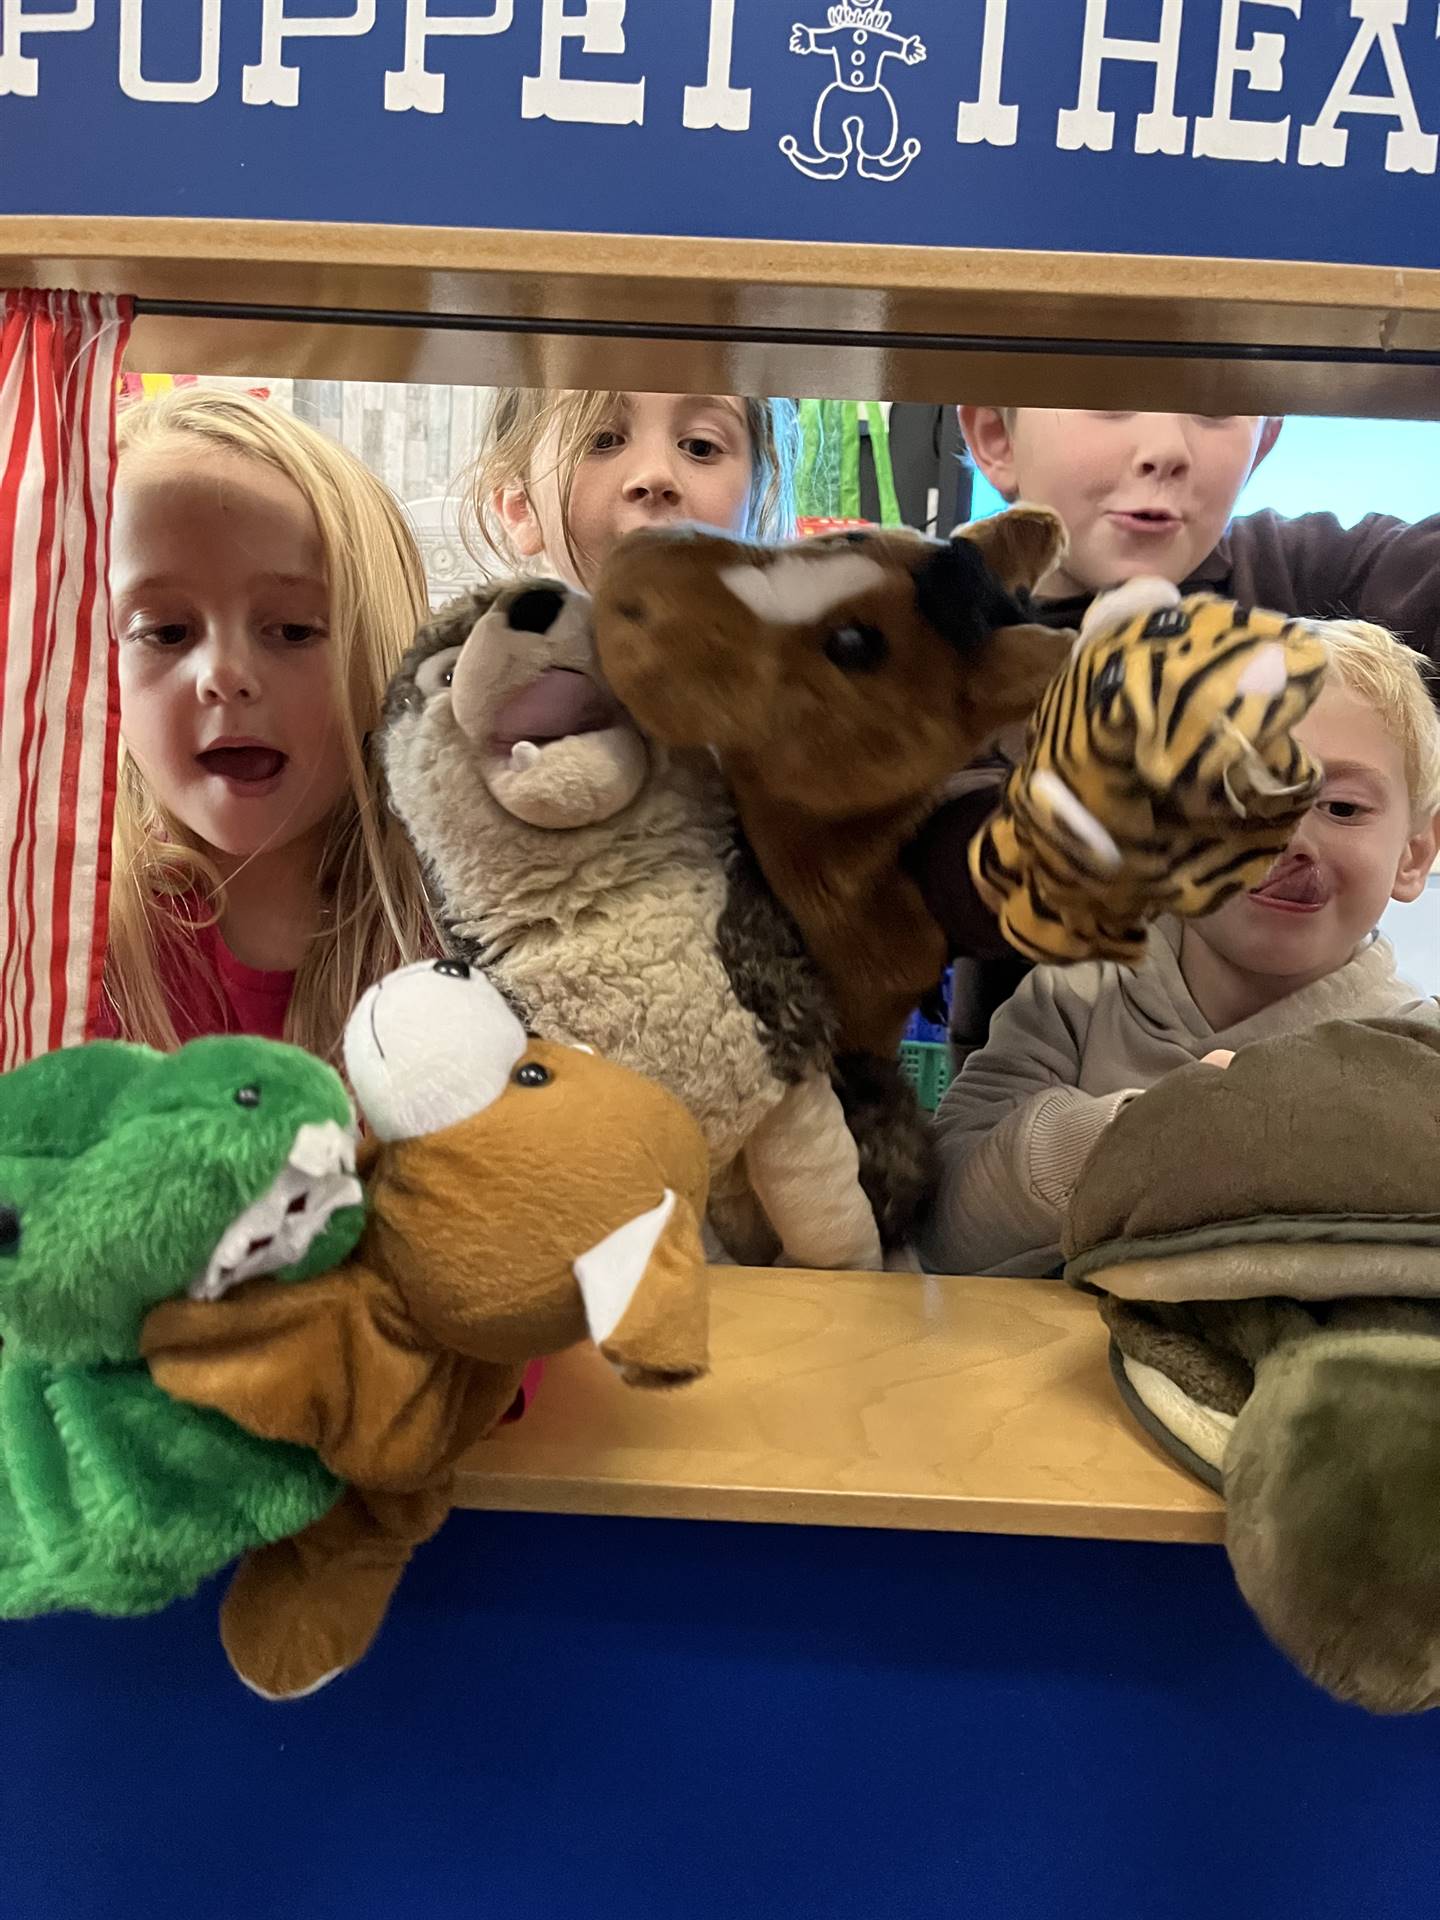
(878,1400)
(440,304)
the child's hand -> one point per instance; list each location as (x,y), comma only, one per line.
(1219,1058)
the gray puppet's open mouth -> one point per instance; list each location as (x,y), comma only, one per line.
(560,703)
(278,1229)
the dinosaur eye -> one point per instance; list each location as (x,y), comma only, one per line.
(856,649)
(247,1096)
(532,1074)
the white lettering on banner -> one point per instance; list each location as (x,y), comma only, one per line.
(1161,130)
(988,119)
(414,85)
(548,95)
(1409,149)
(1221,136)
(19,72)
(859,53)
(132,35)
(718,103)
(270,82)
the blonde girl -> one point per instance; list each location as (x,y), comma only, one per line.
(265,585)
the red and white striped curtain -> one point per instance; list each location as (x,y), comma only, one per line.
(60,355)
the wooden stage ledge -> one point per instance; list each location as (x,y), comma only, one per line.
(869,1400)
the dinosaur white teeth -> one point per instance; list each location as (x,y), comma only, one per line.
(276,1230)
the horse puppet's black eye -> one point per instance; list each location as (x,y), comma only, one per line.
(532,1074)
(857,649)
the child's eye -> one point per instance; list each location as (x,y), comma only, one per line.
(1344,809)
(174,633)
(606,440)
(298,633)
(700,448)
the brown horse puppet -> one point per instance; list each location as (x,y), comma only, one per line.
(842,681)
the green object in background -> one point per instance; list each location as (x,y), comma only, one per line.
(827,484)
(929,1068)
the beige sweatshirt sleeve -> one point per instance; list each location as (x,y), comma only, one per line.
(1013,1132)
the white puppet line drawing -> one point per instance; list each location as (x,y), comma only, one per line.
(855,115)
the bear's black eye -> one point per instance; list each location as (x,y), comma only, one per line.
(532,1074)
(856,649)
(247,1096)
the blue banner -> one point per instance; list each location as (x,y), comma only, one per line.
(1284,129)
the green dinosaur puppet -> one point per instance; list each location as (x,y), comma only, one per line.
(128,1177)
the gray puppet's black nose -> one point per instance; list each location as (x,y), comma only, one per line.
(453,969)
(535,611)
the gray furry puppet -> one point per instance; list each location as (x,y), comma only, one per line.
(602,883)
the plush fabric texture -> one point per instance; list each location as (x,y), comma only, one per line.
(1279,1241)
(123,1174)
(1325,1420)
(1067,1052)
(1282,1167)
(1159,776)
(566,1207)
(603,884)
(841,681)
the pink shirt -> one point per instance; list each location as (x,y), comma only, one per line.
(207,990)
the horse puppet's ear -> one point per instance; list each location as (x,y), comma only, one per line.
(1019,663)
(1019,546)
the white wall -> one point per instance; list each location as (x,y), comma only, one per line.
(1414,932)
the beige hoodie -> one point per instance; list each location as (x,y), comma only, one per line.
(1064,1056)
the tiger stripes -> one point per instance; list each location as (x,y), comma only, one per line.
(1160,776)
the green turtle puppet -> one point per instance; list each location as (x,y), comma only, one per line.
(129,1177)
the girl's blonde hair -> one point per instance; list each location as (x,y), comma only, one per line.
(1397,685)
(522,417)
(375,913)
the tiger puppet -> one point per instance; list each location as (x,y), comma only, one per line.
(1160,774)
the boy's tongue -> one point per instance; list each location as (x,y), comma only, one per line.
(243,763)
(1295,882)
